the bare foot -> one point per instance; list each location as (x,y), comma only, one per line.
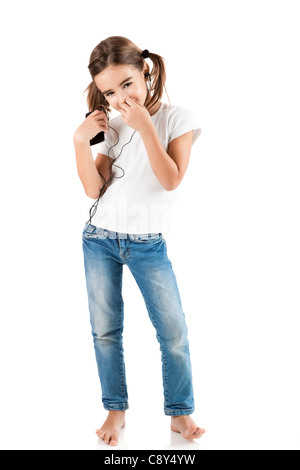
(110,430)
(187,427)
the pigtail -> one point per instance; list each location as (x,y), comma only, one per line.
(158,79)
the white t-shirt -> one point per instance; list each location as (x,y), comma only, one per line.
(137,203)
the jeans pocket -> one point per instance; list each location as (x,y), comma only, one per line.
(148,238)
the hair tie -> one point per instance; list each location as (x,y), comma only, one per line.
(145,54)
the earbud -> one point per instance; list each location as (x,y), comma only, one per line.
(149,81)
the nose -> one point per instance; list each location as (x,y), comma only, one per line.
(123,95)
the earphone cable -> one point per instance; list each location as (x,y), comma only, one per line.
(94,207)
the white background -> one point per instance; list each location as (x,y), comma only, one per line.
(234,246)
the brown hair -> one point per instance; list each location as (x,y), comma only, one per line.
(118,50)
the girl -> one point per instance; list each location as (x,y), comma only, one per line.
(152,142)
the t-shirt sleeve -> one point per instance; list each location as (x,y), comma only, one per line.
(181,121)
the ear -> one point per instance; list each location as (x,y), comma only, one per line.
(146,69)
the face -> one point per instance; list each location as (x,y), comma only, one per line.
(108,82)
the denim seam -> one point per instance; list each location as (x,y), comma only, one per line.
(116,406)
(186,411)
(120,337)
(124,256)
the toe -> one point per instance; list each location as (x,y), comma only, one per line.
(114,440)
(193,429)
(199,432)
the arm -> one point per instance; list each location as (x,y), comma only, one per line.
(86,167)
(169,167)
(87,171)
(180,151)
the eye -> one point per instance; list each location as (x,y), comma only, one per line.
(110,92)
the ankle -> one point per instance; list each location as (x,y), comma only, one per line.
(180,416)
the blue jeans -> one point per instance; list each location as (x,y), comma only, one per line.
(105,253)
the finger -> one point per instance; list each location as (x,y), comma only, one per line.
(125,106)
(97,111)
(101,119)
(99,114)
(131,101)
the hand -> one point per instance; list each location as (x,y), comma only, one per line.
(96,122)
(135,115)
